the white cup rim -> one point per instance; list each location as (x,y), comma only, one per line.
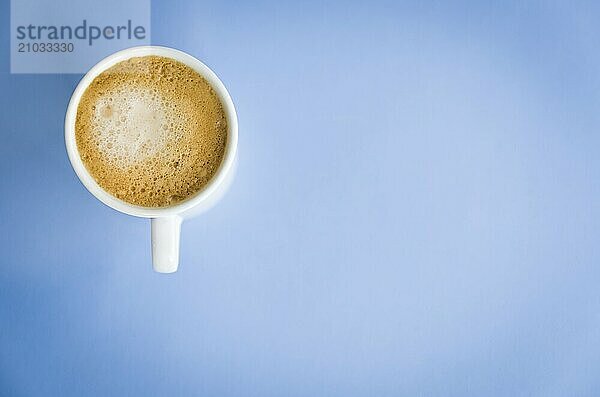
(147,212)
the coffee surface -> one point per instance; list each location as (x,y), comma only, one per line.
(151,131)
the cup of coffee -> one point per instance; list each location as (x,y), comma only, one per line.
(152,132)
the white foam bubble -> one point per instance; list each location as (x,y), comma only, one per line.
(131,124)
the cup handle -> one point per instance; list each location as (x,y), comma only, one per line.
(165,243)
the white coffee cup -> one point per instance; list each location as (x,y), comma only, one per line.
(165,221)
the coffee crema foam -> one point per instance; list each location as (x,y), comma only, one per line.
(151,131)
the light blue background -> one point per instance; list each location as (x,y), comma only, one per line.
(416,213)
